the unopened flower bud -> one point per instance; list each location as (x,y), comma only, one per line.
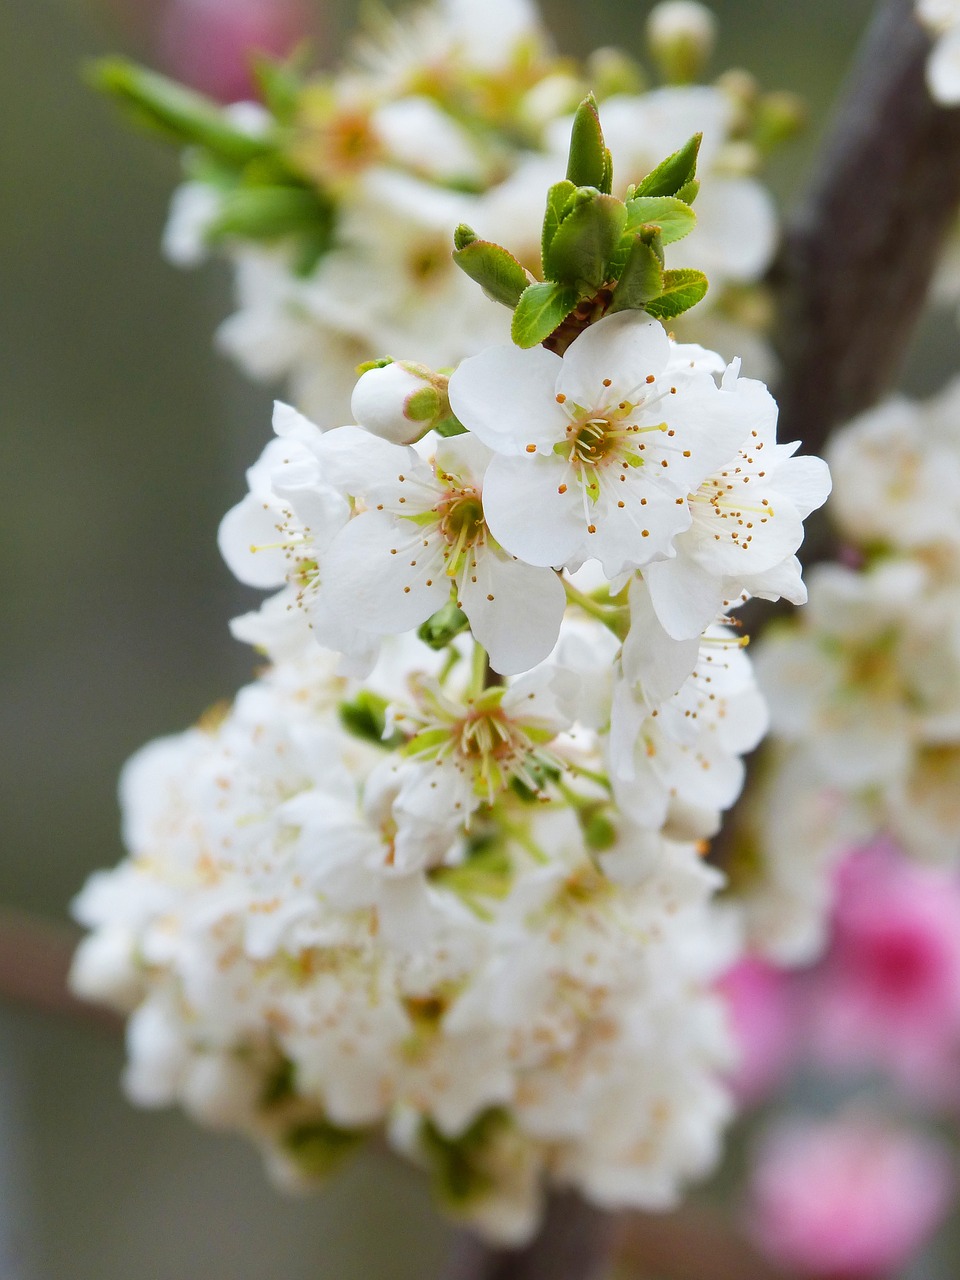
(611,71)
(399,401)
(779,117)
(681,35)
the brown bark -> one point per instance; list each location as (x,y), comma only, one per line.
(575,1242)
(34,961)
(859,253)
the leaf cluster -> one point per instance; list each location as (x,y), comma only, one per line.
(262,195)
(599,254)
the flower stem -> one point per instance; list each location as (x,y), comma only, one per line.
(609,614)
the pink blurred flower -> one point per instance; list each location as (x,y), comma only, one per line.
(849,1199)
(761,1013)
(888,992)
(208,43)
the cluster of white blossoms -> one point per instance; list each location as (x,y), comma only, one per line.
(446,117)
(438,876)
(865,688)
(449,888)
(493,1002)
(942,20)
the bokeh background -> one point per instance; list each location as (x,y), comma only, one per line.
(124,438)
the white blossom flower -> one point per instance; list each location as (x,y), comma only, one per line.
(279,533)
(942,17)
(874,671)
(897,474)
(747,522)
(504,1003)
(424,533)
(680,764)
(603,444)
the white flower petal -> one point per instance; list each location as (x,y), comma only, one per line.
(507,397)
(623,350)
(526,512)
(380,577)
(685,596)
(515,610)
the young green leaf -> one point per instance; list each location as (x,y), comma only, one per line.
(280,81)
(674,218)
(586,241)
(543,308)
(496,271)
(463,236)
(558,197)
(682,290)
(641,279)
(689,191)
(672,174)
(589,163)
(179,114)
(268,213)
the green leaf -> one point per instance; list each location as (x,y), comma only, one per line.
(280,80)
(589,163)
(689,191)
(486,873)
(463,236)
(641,279)
(460,1175)
(179,114)
(558,197)
(267,213)
(442,627)
(672,174)
(681,290)
(366,717)
(674,218)
(586,241)
(317,1147)
(496,271)
(449,427)
(543,307)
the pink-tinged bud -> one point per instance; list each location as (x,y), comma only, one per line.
(849,1199)
(209,43)
(399,401)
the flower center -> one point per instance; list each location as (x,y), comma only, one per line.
(593,440)
(462,526)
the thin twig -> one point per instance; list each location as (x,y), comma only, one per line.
(34,962)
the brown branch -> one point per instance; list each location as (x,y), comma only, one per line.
(575,1242)
(693,1243)
(859,254)
(34,961)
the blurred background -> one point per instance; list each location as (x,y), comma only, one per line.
(124,440)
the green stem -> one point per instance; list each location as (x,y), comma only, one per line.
(610,615)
